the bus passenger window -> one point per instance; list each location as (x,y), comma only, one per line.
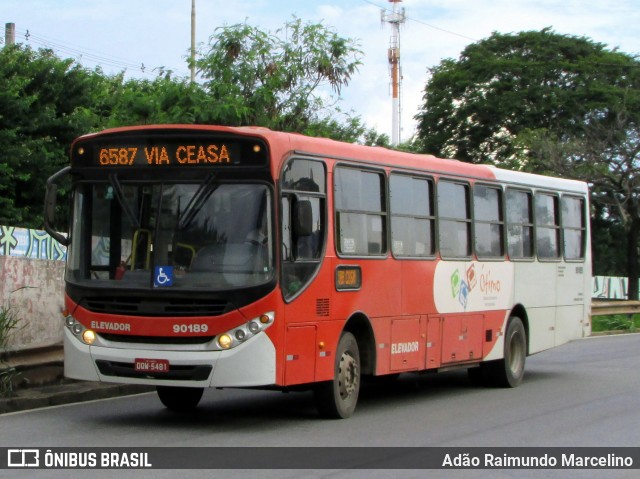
(412,216)
(519,224)
(489,224)
(547,226)
(360,214)
(454,219)
(573,228)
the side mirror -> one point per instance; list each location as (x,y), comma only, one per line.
(50,201)
(302,218)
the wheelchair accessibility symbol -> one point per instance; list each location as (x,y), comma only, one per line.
(163,276)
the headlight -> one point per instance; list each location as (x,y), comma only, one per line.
(89,336)
(239,335)
(85,335)
(225,341)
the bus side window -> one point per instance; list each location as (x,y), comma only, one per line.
(454,219)
(519,224)
(360,212)
(412,216)
(547,226)
(574,228)
(488,221)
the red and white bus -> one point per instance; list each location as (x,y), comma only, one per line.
(206,256)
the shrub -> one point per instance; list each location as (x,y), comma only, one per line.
(8,323)
(617,322)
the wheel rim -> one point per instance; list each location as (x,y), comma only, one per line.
(347,375)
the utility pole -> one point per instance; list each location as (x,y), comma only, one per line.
(9,34)
(193,41)
(395,18)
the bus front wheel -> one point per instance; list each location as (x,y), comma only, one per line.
(179,399)
(337,399)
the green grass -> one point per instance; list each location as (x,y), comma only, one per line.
(618,322)
(8,324)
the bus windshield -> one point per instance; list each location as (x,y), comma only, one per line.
(210,235)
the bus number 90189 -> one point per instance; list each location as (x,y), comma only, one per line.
(190,328)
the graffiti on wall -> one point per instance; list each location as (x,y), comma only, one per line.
(609,287)
(30,243)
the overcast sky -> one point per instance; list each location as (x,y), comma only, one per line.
(119,34)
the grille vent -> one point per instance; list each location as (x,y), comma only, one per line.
(138,306)
(323,307)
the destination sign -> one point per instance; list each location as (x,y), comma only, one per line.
(160,152)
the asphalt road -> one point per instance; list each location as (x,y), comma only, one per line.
(586,393)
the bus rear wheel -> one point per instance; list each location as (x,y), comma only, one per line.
(337,399)
(509,371)
(179,399)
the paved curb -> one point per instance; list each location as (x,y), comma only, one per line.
(66,393)
(40,382)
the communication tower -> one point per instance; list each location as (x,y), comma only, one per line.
(395,18)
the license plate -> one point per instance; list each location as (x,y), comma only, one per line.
(143,365)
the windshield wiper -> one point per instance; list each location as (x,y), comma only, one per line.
(196,202)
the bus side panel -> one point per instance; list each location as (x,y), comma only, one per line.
(382,332)
(303,331)
(482,291)
(535,288)
(495,324)
(462,338)
(407,350)
(378,299)
(434,342)
(300,355)
(417,286)
(570,319)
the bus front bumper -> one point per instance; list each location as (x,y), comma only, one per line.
(252,363)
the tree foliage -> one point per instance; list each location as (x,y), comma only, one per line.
(476,107)
(551,104)
(41,101)
(282,80)
(290,80)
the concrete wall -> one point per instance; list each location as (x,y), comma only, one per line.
(32,285)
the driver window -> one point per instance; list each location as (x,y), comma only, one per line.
(303,223)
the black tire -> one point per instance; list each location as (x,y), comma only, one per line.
(337,399)
(179,399)
(509,371)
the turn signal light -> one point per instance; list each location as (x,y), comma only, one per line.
(240,334)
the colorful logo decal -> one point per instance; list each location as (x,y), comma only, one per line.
(455,284)
(472,286)
(471,276)
(464,294)
(461,289)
